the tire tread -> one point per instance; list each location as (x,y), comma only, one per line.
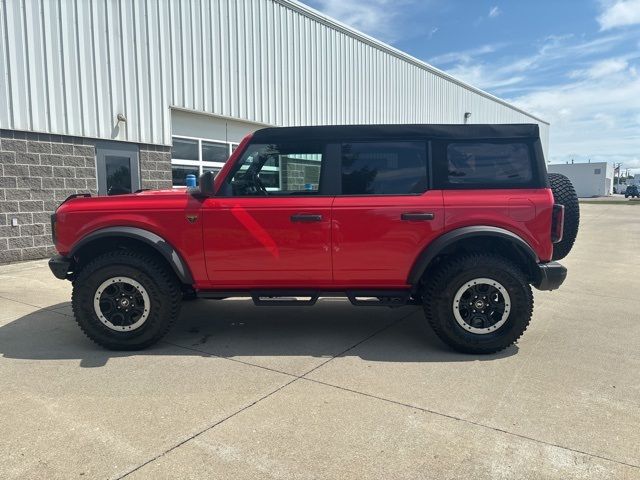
(165,280)
(565,194)
(438,279)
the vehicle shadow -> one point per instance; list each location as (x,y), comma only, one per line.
(236,328)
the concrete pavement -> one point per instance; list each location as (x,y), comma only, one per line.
(332,391)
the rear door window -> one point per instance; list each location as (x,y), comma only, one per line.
(485,164)
(383,168)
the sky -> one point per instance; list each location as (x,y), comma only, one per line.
(574,63)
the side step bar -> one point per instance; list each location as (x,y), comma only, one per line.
(282,299)
(287,298)
(373,298)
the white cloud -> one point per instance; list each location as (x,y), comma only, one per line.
(593,116)
(509,72)
(619,13)
(494,12)
(378,18)
(464,56)
(602,68)
(483,77)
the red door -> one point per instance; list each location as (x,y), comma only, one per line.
(383,217)
(376,239)
(264,242)
(269,226)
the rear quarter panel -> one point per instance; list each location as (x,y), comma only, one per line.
(525,212)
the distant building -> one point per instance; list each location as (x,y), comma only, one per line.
(635,180)
(589,179)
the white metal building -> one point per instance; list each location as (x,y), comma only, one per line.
(589,179)
(129,79)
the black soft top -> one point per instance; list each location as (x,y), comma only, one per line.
(458,132)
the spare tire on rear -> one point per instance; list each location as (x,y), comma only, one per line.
(565,194)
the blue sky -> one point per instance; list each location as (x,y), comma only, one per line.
(575,63)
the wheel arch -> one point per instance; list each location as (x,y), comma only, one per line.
(476,238)
(113,237)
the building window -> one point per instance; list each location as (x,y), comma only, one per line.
(597,171)
(118,168)
(179,174)
(193,156)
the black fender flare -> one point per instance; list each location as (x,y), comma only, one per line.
(158,243)
(445,240)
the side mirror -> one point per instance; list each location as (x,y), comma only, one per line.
(206,184)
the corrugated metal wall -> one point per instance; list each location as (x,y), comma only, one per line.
(70,66)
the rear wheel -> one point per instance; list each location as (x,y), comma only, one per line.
(565,194)
(125,300)
(478,303)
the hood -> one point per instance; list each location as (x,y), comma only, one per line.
(143,200)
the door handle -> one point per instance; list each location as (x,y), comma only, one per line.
(306,218)
(417,216)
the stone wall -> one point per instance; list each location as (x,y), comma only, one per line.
(297,173)
(155,166)
(38,171)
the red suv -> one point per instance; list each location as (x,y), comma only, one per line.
(460,219)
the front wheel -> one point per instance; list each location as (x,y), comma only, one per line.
(125,300)
(478,303)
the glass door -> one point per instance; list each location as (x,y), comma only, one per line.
(118,168)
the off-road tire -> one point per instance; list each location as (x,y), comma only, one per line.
(565,194)
(443,283)
(159,282)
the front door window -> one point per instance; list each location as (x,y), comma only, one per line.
(287,169)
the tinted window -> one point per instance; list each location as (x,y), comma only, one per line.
(179,174)
(118,174)
(215,152)
(488,164)
(373,168)
(184,149)
(282,169)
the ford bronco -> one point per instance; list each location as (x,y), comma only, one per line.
(460,219)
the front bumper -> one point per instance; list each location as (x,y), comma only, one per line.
(59,266)
(550,276)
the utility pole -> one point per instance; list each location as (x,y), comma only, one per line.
(616,167)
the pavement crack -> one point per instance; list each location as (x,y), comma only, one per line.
(369,337)
(48,309)
(209,354)
(477,424)
(264,397)
(333,357)
(197,434)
